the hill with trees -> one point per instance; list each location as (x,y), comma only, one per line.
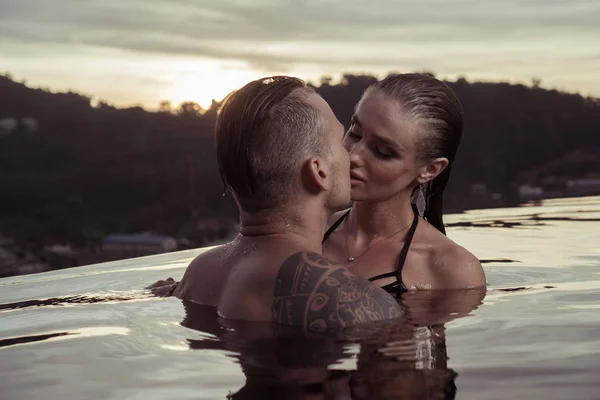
(88,170)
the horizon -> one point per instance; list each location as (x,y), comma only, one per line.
(94,100)
(136,52)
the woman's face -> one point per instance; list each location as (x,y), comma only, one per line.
(381,143)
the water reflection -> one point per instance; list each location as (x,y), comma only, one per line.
(70,300)
(498,260)
(403,359)
(33,338)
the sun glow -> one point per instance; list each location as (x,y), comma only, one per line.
(203,81)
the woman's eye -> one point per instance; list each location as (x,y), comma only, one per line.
(353,133)
(383,152)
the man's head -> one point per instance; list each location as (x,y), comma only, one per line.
(276,140)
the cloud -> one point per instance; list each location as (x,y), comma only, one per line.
(501,38)
(256,31)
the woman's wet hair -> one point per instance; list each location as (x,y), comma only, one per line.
(436,106)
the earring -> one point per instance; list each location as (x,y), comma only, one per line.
(421,201)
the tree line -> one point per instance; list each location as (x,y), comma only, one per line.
(93,169)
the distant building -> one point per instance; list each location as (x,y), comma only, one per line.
(530,192)
(64,249)
(583,187)
(30,125)
(479,190)
(16,261)
(138,244)
(8,126)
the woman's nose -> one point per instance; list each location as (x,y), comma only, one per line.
(355,153)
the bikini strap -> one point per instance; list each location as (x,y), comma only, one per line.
(335,225)
(386,275)
(403,254)
(407,242)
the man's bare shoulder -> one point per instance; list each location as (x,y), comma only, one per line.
(314,292)
(197,269)
(208,257)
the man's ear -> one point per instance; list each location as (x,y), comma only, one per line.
(431,170)
(315,174)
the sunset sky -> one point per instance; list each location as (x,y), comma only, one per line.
(143,51)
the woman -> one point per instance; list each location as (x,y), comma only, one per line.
(402,141)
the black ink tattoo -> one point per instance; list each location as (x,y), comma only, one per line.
(313,292)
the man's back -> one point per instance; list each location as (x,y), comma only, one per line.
(278,282)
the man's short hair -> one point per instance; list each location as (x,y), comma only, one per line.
(264,132)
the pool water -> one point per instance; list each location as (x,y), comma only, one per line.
(94,333)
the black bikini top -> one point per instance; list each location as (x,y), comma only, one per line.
(397,286)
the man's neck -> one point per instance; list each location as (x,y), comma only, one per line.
(302,225)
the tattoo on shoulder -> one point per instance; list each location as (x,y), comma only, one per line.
(311,291)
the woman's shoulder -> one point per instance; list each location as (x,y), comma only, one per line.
(456,266)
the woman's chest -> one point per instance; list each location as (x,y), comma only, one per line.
(385,259)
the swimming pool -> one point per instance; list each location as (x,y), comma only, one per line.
(93,332)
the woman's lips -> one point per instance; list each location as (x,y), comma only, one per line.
(356,178)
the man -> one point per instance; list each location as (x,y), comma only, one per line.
(280,152)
